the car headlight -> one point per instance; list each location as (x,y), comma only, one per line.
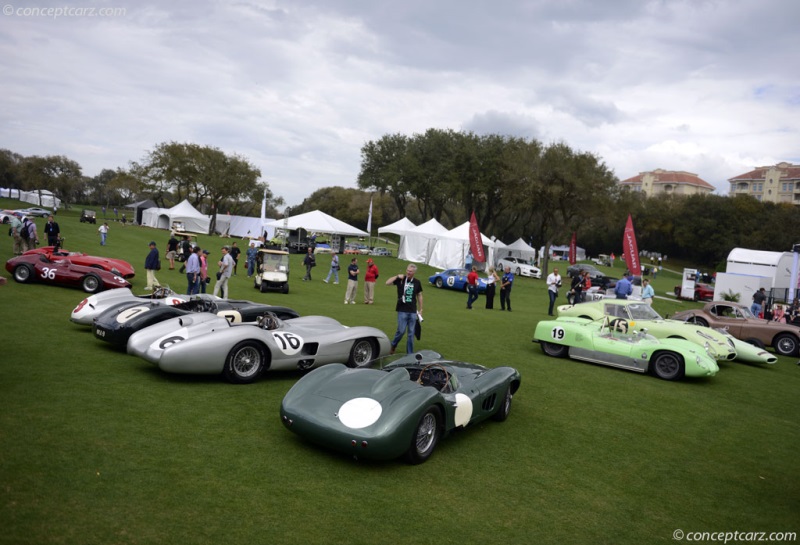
(702,363)
(116,271)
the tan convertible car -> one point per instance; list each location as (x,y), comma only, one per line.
(740,322)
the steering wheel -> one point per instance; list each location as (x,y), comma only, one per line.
(618,324)
(429,369)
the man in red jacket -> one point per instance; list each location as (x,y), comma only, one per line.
(369,282)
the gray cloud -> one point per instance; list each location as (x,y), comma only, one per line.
(299,87)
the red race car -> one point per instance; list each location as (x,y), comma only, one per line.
(36,267)
(117,266)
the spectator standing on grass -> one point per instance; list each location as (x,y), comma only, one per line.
(235,251)
(16,232)
(758,302)
(409,306)
(647,292)
(624,287)
(252,253)
(506,283)
(52,231)
(193,272)
(352,282)
(203,271)
(152,263)
(334,270)
(224,274)
(553,283)
(30,238)
(103,230)
(370,277)
(472,287)
(172,250)
(309,261)
(491,287)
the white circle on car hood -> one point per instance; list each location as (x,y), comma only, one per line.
(360,412)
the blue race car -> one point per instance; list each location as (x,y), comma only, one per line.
(455,279)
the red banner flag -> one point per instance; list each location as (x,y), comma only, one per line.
(573,249)
(630,250)
(475,242)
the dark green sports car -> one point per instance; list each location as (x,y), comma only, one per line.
(401,409)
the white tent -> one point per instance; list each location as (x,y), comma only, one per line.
(451,249)
(162,218)
(242,226)
(40,197)
(417,244)
(519,248)
(318,222)
(193,221)
(400,227)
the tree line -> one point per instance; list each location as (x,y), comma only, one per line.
(518,188)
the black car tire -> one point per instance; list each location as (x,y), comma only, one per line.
(286,288)
(697,320)
(668,366)
(91,284)
(23,274)
(244,363)
(785,344)
(362,353)
(439,282)
(505,407)
(555,350)
(263,287)
(425,437)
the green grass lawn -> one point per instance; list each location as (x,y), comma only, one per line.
(98,447)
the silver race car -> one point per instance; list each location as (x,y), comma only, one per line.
(208,344)
(94,305)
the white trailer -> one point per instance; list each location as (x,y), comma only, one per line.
(745,285)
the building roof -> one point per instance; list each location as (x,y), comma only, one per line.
(788,172)
(670,177)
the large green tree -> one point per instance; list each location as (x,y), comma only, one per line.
(204,175)
(56,173)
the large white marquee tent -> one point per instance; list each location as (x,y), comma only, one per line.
(451,249)
(400,227)
(317,222)
(162,218)
(417,244)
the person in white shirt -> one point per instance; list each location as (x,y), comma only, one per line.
(553,283)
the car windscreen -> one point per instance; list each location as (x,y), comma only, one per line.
(642,311)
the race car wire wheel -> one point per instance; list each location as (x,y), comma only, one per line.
(785,344)
(23,274)
(245,362)
(426,436)
(90,283)
(362,353)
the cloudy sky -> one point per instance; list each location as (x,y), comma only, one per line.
(297,87)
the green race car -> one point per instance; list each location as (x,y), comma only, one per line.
(403,408)
(643,315)
(613,342)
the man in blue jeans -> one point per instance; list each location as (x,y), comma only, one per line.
(409,306)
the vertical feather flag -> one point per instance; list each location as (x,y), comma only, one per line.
(573,249)
(263,215)
(630,249)
(475,242)
(369,220)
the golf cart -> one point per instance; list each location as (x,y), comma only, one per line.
(272,270)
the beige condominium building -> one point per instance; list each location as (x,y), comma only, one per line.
(779,183)
(667,182)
